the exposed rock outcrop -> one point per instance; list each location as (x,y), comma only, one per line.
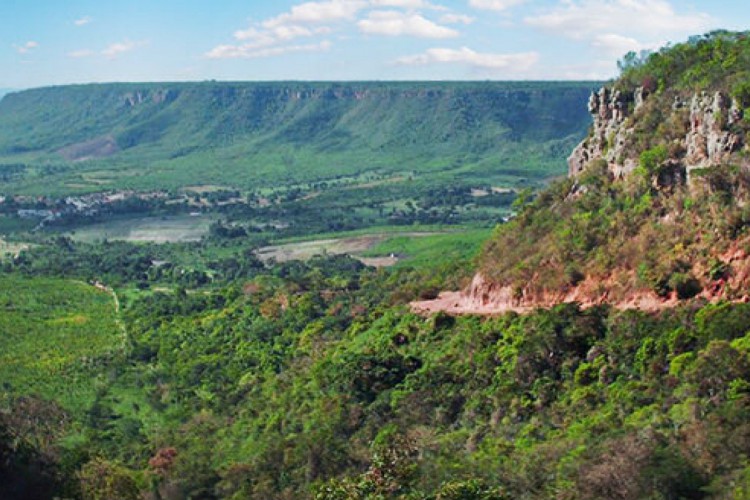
(708,142)
(609,134)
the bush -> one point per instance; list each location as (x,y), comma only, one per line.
(685,285)
(652,159)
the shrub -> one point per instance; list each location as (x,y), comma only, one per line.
(685,285)
(652,159)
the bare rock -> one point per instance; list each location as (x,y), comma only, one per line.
(709,142)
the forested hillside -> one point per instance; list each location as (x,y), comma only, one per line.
(249,135)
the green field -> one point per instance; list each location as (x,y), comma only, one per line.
(433,249)
(56,337)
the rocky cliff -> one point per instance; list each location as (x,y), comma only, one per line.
(655,208)
(704,122)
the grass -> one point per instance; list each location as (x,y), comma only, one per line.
(432,250)
(55,337)
(10,225)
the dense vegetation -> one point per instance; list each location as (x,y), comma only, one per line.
(716,61)
(306,381)
(195,370)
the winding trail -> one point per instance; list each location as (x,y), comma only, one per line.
(118,309)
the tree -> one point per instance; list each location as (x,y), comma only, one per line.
(104,480)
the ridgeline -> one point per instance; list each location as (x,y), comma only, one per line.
(248,135)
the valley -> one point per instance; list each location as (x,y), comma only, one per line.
(380,290)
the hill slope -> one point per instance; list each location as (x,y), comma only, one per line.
(89,137)
(655,209)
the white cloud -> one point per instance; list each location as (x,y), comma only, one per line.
(579,19)
(275,36)
(456,19)
(246,52)
(26,47)
(115,49)
(396,23)
(83,21)
(280,34)
(318,12)
(517,63)
(495,4)
(79,54)
(266,37)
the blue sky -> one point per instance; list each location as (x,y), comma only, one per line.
(50,42)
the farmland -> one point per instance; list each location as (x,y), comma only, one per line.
(155,229)
(55,338)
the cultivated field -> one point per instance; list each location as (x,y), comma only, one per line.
(356,246)
(165,229)
(54,337)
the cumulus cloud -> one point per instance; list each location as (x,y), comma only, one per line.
(26,47)
(277,35)
(398,23)
(83,21)
(266,42)
(516,63)
(318,12)
(581,18)
(245,52)
(495,4)
(115,49)
(282,34)
(255,38)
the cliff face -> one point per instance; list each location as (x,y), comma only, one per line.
(609,133)
(707,117)
(710,140)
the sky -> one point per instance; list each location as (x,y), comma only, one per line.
(53,42)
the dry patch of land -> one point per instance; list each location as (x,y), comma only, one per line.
(11,248)
(354,246)
(206,188)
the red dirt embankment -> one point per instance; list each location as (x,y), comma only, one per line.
(482,297)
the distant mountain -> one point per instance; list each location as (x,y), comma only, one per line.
(251,134)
